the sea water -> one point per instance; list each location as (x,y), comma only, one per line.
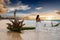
(46,25)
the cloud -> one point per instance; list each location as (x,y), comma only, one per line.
(7,1)
(6,7)
(18,6)
(57,12)
(2,7)
(38,8)
(3,3)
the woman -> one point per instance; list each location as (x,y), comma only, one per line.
(38,19)
(38,23)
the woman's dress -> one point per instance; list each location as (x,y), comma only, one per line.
(39,26)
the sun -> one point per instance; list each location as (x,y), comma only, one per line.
(49,18)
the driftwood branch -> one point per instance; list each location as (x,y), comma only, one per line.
(16,24)
(55,25)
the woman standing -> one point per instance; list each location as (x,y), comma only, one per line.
(37,29)
(38,23)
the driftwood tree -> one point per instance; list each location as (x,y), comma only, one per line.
(16,24)
(56,25)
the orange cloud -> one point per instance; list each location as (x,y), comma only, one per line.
(2,7)
(3,10)
(1,1)
(57,12)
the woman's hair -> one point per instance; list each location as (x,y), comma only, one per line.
(37,17)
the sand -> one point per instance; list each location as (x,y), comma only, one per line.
(5,34)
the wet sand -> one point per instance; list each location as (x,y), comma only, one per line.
(26,35)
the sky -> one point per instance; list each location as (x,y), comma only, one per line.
(30,6)
(38,5)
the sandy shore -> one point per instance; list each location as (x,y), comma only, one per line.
(26,35)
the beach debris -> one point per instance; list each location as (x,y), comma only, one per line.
(55,25)
(16,24)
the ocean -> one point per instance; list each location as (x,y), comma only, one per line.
(32,23)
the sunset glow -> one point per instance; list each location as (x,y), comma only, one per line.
(49,18)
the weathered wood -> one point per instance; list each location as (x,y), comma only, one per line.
(16,24)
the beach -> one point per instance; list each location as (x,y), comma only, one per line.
(5,34)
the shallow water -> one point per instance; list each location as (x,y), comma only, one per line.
(28,34)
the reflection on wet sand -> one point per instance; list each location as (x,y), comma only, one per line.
(14,36)
(28,35)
